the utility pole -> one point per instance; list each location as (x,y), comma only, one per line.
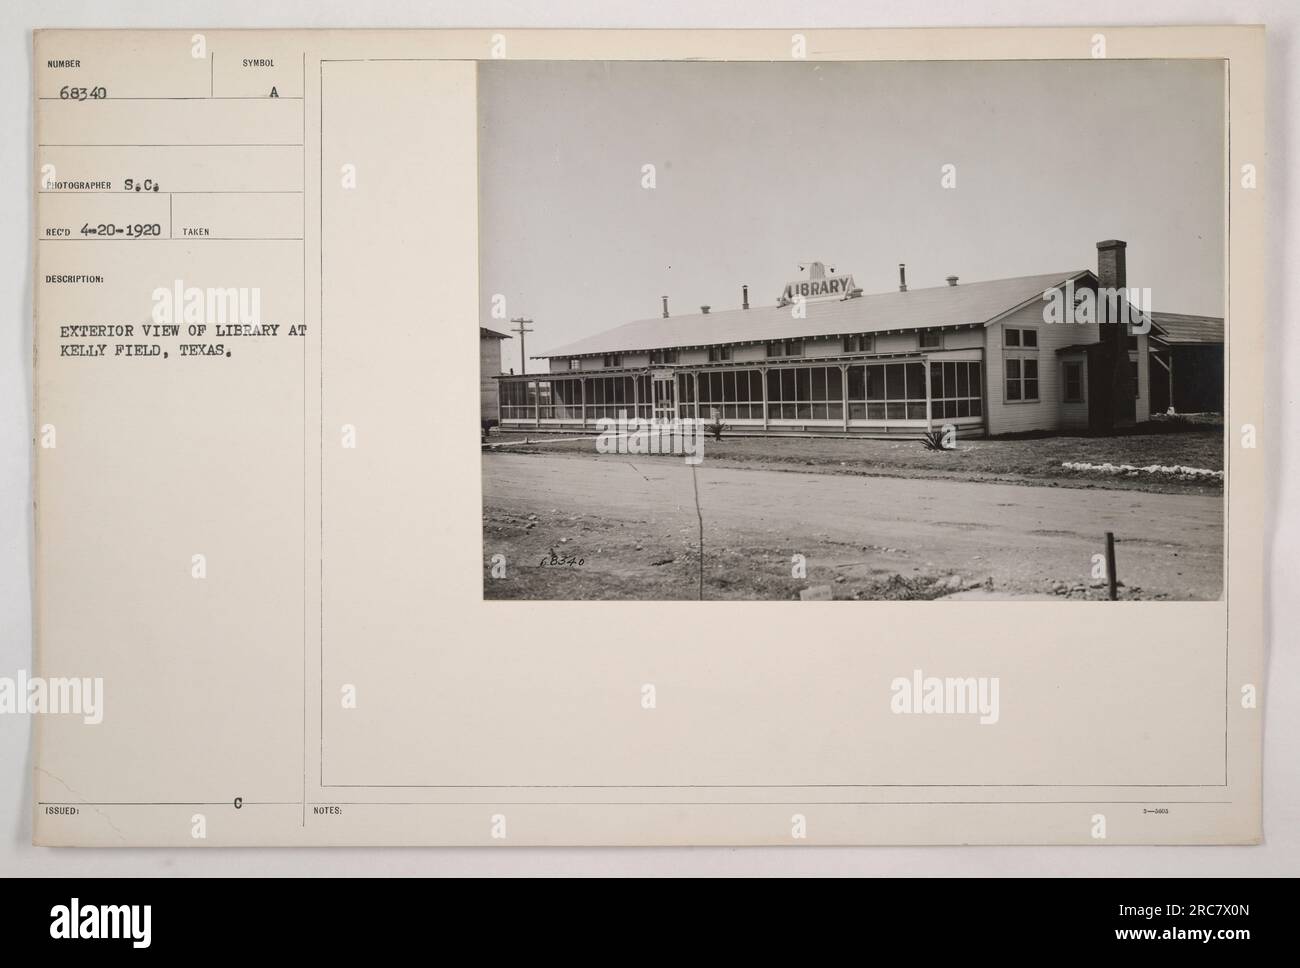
(521,330)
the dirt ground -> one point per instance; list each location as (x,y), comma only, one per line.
(577,525)
(1033,460)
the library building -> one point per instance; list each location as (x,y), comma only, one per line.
(827,359)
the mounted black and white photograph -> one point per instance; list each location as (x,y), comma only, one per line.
(852,331)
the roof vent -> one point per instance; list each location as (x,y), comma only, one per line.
(902,277)
(665,307)
(952,280)
(704,310)
(744,297)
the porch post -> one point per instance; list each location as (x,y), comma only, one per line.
(762,372)
(929,407)
(844,393)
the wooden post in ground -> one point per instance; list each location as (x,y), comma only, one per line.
(1110,565)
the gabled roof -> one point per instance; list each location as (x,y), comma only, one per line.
(966,304)
(484,332)
(1181,329)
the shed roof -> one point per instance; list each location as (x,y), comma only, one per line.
(1182,329)
(965,304)
(484,332)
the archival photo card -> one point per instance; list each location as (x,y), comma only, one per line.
(560,437)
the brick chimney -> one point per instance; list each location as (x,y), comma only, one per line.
(1112,274)
(1112,270)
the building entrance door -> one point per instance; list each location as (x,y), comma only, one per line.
(665,408)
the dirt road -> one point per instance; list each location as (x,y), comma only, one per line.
(620,512)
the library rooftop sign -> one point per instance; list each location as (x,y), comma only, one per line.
(818,285)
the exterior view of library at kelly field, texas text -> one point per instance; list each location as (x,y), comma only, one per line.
(1033,353)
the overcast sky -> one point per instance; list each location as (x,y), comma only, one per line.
(760,167)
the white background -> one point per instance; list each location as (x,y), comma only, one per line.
(1279,855)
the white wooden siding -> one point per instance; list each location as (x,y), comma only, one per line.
(1008,417)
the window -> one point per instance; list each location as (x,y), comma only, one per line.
(887,391)
(1020,338)
(1072,379)
(930,339)
(1133,377)
(805,393)
(565,401)
(663,356)
(735,394)
(719,354)
(862,343)
(1022,379)
(575,363)
(607,396)
(515,403)
(955,389)
(786,347)
(614,359)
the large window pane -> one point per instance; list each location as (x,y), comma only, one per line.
(787,385)
(804,381)
(915,381)
(819,383)
(876,383)
(834,384)
(857,383)
(894,383)
(936,380)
